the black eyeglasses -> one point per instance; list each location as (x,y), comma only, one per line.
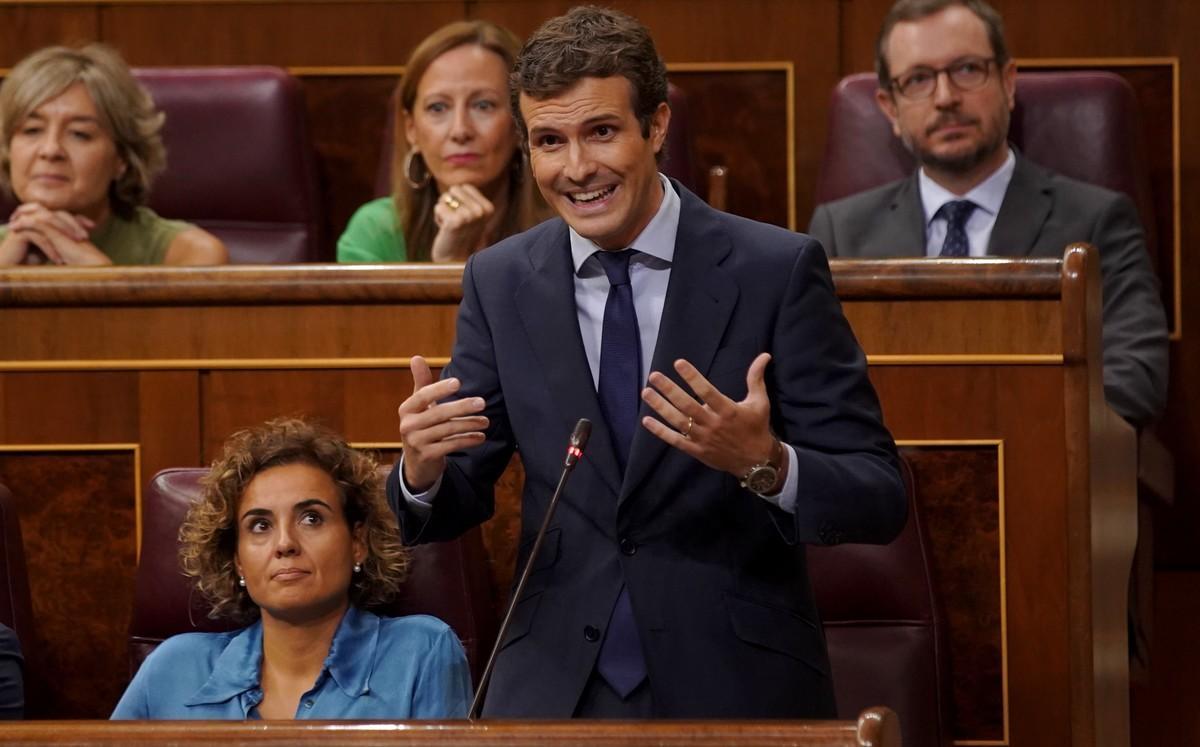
(965,75)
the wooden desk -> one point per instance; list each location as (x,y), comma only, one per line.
(875,727)
(988,371)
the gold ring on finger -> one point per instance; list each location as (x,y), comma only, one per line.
(687,432)
(452,202)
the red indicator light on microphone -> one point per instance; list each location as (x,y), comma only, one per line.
(574,451)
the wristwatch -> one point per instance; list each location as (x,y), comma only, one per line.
(762,478)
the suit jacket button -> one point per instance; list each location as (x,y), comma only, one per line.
(591,633)
(628,546)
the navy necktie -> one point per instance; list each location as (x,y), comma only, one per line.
(956,213)
(620,354)
(621,662)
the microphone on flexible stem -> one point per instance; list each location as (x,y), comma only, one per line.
(579,439)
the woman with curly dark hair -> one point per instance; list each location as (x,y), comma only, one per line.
(293,536)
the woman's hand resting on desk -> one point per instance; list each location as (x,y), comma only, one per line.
(464,217)
(37,234)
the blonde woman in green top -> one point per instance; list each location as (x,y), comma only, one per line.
(463,182)
(80,145)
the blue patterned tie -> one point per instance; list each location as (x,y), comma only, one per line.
(956,213)
(621,662)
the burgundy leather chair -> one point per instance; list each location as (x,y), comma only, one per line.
(448,580)
(677,162)
(1083,124)
(885,629)
(239,160)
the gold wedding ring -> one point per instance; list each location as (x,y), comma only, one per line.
(451,202)
(687,432)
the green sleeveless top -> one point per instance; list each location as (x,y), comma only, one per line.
(373,235)
(142,240)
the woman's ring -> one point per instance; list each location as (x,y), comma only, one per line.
(452,202)
(687,432)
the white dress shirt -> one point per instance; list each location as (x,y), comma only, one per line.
(988,195)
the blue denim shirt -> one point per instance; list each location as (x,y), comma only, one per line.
(377,668)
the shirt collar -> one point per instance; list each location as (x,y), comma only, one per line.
(657,239)
(988,195)
(350,661)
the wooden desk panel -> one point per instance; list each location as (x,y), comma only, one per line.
(973,362)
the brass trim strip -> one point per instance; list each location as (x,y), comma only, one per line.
(377,444)
(967,359)
(1001,523)
(345,71)
(1176,152)
(185,364)
(136,448)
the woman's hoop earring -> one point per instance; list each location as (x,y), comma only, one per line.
(409,159)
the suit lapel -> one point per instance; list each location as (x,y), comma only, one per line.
(700,300)
(1026,207)
(546,305)
(902,225)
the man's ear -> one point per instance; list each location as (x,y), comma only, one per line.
(1008,78)
(887,104)
(660,121)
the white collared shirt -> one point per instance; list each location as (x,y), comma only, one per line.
(988,195)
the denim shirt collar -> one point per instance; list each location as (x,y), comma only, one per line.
(238,670)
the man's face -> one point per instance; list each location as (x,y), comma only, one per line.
(591,161)
(952,131)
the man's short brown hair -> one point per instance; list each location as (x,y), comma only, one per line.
(915,10)
(590,42)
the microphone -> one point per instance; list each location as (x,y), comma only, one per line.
(575,447)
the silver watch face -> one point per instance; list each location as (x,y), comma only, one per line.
(761,478)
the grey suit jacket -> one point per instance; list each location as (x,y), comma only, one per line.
(1041,214)
(717,576)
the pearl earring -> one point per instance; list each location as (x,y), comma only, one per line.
(241,580)
(357,567)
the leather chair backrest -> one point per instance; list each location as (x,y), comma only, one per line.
(677,161)
(885,629)
(448,580)
(240,163)
(1084,124)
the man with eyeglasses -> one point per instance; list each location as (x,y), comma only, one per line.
(946,83)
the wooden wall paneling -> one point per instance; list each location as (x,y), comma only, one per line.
(347,114)
(341,399)
(958,487)
(739,119)
(285,34)
(68,407)
(28,28)
(980,404)
(168,408)
(77,506)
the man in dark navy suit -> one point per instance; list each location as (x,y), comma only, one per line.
(734,421)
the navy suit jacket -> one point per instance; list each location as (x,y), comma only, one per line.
(716,575)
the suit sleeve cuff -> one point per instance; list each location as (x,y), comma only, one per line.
(421,504)
(785,499)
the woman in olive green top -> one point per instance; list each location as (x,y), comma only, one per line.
(463,183)
(80,146)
